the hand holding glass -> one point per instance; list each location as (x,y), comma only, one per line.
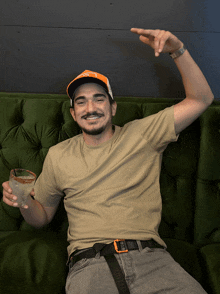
(21,182)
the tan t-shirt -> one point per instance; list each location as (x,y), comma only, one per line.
(111,191)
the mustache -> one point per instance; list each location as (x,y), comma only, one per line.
(94,113)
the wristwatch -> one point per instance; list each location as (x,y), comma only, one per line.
(178,52)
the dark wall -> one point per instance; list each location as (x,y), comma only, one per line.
(46,43)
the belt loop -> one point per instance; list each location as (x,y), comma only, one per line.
(139,245)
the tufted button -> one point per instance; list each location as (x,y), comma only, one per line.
(39,145)
(19,120)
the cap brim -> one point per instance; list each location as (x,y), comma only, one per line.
(75,84)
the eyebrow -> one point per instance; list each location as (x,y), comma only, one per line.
(95,96)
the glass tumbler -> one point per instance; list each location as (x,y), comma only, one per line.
(21,182)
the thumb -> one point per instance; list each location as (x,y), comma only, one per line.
(32,193)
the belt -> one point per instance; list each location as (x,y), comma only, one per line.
(118,246)
(108,250)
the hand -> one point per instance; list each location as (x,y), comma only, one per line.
(9,198)
(160,41)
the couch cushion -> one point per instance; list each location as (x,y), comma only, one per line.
(32,262)
(187,256)
(10,217)
(209,165)
(211,256)
(207,215)
(177,181)
(127,111)
(29,127)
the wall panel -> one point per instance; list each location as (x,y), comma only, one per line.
(181,15)
(45,44)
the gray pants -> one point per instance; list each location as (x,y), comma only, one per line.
(150,271)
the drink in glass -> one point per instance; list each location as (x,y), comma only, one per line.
(21,182)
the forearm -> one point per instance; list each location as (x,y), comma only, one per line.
(35,215)
(195,83)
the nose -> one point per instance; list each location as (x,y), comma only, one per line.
(90,106)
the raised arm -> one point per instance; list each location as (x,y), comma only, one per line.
(198,93)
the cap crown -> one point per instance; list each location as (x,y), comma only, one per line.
(86,77)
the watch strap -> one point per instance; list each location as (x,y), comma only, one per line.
(178,52)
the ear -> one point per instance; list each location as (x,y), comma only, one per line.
(72,112)
(114,108)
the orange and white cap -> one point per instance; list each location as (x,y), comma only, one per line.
(89,77)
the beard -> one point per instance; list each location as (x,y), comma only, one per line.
(93,132)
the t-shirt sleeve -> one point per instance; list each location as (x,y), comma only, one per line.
(46,189)
(159,129)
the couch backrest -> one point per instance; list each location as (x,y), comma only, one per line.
(31,123)
(207,217)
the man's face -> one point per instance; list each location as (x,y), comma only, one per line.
(92,110)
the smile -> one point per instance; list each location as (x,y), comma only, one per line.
(92,117)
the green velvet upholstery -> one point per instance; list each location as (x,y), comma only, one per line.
(34,261)
(211,257)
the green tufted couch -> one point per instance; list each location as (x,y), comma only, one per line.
(34,261)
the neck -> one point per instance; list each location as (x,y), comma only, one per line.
(95,140)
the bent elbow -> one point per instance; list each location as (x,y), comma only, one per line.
(209,98)
(212,98)
(39,225)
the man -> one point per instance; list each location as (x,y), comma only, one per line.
(109,179)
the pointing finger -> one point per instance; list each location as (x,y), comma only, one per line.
(135,30)
(143,32)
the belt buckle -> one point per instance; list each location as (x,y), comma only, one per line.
(116,246)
